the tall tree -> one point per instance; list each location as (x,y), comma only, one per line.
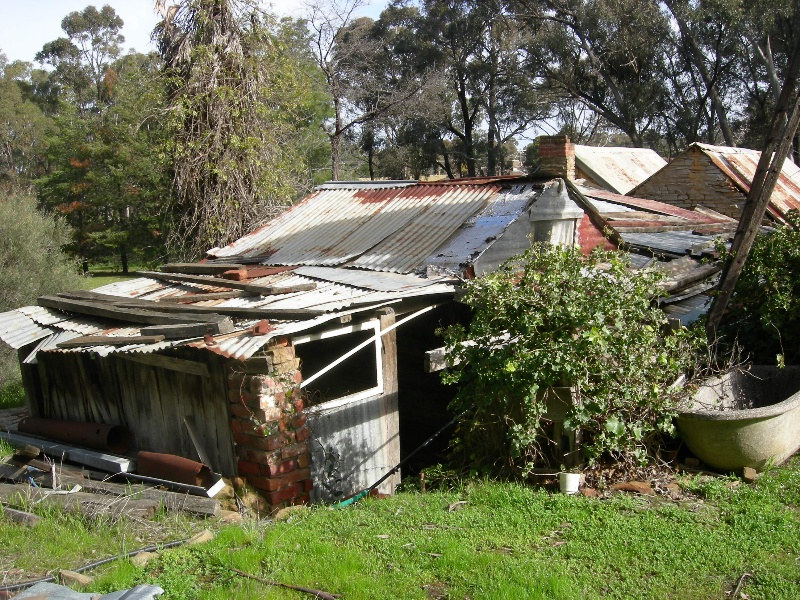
(23,126)
(107,177)
(352,62)
(233,98)
(607,54)
(81,61)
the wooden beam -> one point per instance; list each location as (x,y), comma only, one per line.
(240,312)
(254,271)
(776,147)
(200,268)
(263,290)
(595,217)
(109,340)
(181,365)
(203,297)
(684,280)
(189,330)
(132,314)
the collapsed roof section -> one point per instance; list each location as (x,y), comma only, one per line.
(354,247)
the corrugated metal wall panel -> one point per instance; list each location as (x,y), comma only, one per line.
(350,448)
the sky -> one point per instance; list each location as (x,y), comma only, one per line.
(26,25)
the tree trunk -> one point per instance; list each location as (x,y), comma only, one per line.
(123,256)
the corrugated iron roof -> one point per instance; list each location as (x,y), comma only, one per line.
(379,227)
(739,164)
(18,330)
(617,169)
(478,232)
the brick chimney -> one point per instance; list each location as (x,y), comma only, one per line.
(556,157)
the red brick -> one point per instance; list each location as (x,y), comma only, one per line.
(261,415)
(297,377)
(297,421)
(283,495)
(303,460)
(301,435)
(307,484)
(274,442)
(258,456)
(265,483)
(279,342)
(298,405)
(246,467)
(294,450)
(245,439)
(276,469)
(295,476)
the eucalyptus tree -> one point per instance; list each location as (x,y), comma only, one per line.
(358,75)
(81,60)
(607,54)
(23,126)
(234,102)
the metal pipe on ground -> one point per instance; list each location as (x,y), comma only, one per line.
(173,468)
(111,438)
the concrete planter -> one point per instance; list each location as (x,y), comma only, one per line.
(745,419)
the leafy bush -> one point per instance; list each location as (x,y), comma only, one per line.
(764,310)
(33,264)
(552,318)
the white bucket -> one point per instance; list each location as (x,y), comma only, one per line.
(569,482)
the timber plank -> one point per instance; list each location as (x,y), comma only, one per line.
(256,312)
(129,315)
(252,272)
(180,365)
(200,268)
(204,297)
(172,501)
(264,290)
(189,330)
(109,340)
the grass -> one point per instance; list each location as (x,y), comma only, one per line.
(12,394)
(507,541)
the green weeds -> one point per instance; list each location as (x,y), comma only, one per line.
(481,539)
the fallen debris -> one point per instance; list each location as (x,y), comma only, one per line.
(21,517)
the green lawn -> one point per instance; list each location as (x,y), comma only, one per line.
(506,541)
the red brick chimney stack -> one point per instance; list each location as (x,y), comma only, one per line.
(556,157)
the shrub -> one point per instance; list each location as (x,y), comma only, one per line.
(764,310)
(552,318)
(33,264)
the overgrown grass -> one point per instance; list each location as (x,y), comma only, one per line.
(507,541)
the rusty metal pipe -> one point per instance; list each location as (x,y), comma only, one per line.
(111,438)
(173,468)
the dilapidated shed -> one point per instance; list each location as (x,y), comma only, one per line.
(294,357)
(719,178)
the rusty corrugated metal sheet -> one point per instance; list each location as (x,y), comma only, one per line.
(379,227)
(739,164)
(661,208)
(617,169)
(442,210)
